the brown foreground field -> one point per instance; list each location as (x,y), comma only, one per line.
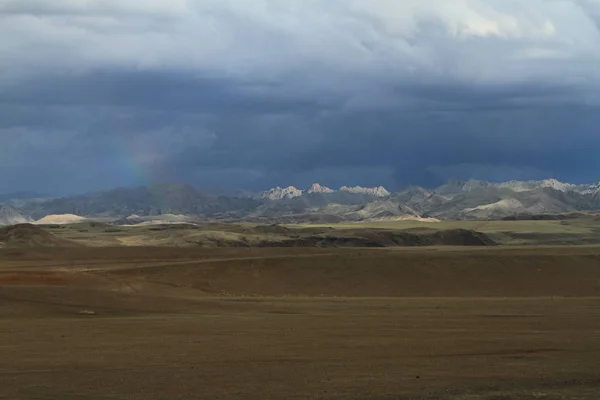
(493,323)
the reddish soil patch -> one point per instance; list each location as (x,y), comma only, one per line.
(35,279)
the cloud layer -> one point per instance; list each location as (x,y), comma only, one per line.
(251,94)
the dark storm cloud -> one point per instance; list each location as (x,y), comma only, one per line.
(153,90)
(254,94)
(411,144)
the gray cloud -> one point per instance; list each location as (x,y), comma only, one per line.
(257,93)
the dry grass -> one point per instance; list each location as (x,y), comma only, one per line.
(572,226)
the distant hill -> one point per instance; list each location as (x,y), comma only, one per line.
(28,235)
(497,202)
(419,199)
(63,219)
(455,187)
(11,216)
(146,200)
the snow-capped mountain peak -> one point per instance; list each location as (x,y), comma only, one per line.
(379,191)
(317,188)
(558,185)
(291,192)
(520,186)
(282,193)
(592,189)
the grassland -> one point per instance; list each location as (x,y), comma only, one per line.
(569,231)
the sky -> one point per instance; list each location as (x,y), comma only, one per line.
(251,94)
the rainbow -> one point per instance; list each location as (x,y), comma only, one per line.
(130,165)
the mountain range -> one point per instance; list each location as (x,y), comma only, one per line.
(470,199)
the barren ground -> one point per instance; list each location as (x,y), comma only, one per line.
(433,323)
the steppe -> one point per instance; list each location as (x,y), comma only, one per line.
(90,311)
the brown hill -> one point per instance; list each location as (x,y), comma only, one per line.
(28,235)
(459,237)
